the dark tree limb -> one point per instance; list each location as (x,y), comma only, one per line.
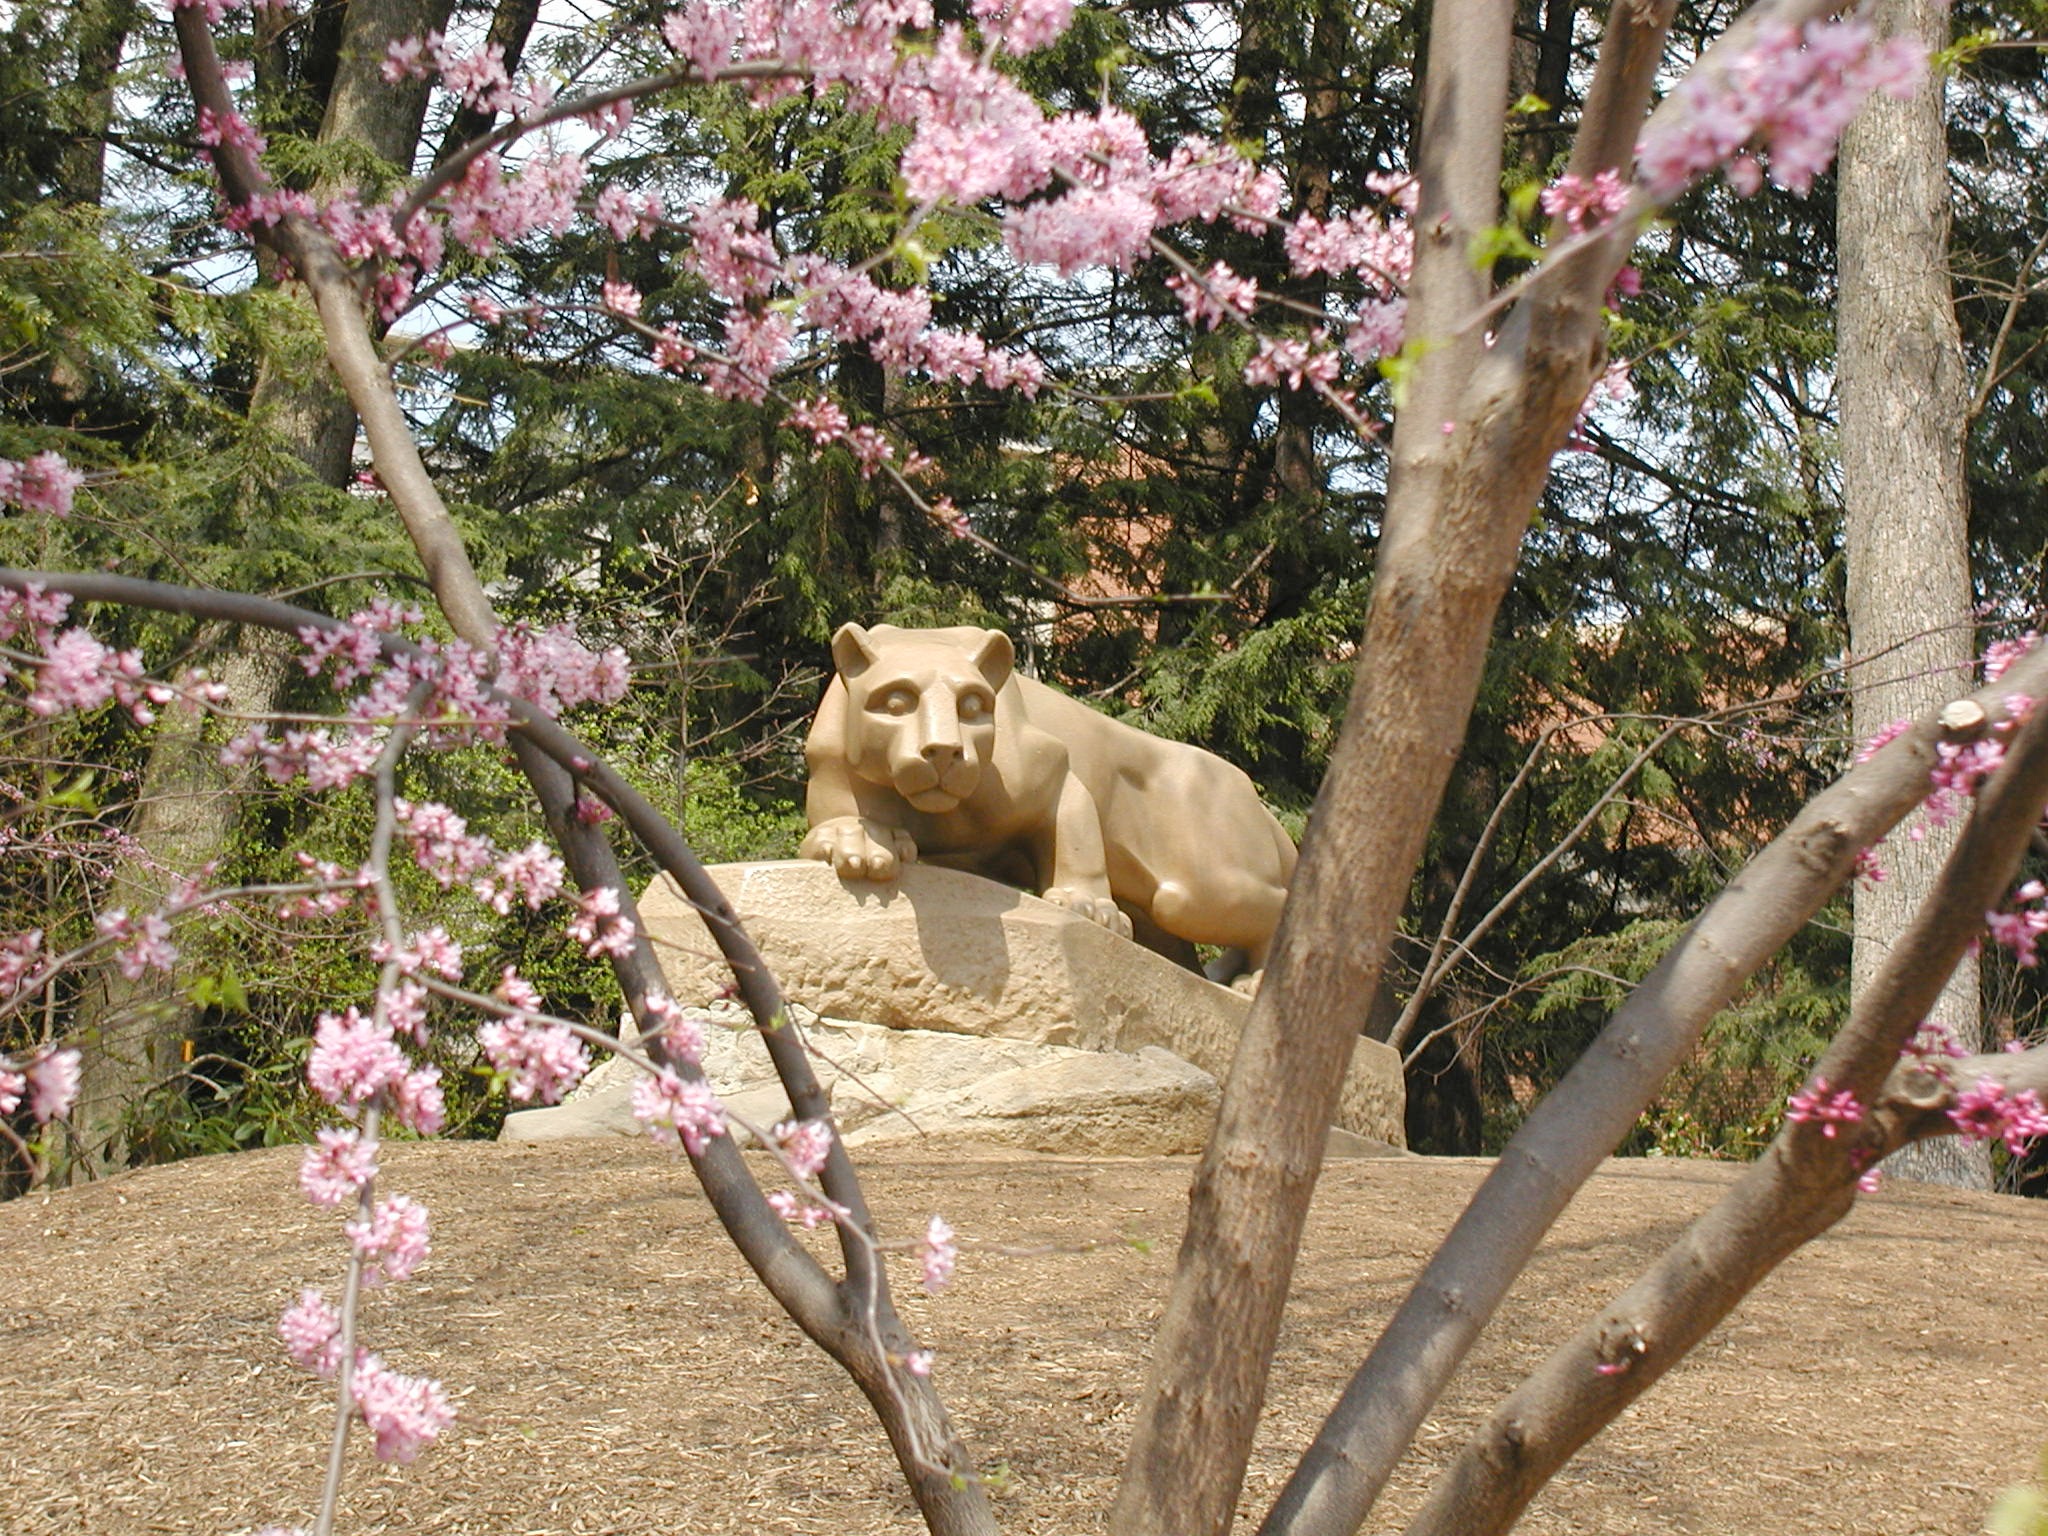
(1804,1184)
(1581,1120)
(846,1320)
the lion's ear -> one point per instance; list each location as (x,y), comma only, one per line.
(995,659)
(851,651)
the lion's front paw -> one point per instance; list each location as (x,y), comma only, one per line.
(1248,983)
(858,849)
(1097,909)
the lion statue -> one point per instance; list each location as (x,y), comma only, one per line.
(929,745)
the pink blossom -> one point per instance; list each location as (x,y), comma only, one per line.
(418,1102)
(145,944)
(1986,1112)
(229,128)
(442,843)
(337,1167)
(1790,92)
(2021,929)
(621,298)
(358,648)
(1210,298)
(1378,331)
(392,1241)
(344,885)
(555,671)
(671,352)
(410,58)
(599,926)
(703,33)
(1580,205)
(730,253)
(311,1330)
(12,1086)
(1110,227)
(821,418)
(1830,1111)
(353,1058)
(1205,180)
(430,950)
(1024,26)
(870,449)
(1296,361)
(1883,739)
(611,120)
(41,483)
(756,347)
(806,1143)
(79,673)
(516,990)
(387,616)
(626,217)
(681,1030)
(1959,768)
(405,1009)
(1932,1044)
(21,957)
(2001,654)
(538,1061)
(796,1210)
(53,1084)
(479,78)
(404,1414)
(937,1254)
(673,1108)
(533,875)
(34,609)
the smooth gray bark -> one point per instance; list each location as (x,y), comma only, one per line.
(1905,500)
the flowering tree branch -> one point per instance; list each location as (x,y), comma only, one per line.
(1478,424)
(1802,1185)
(844,1318)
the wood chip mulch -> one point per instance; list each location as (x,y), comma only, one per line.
(617,1370)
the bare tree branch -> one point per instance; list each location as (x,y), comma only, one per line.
(1445,557)
(1586,1115)
(1800,1187)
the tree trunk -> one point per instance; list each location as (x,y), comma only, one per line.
(185,813)
(1905,500)
(135,1028)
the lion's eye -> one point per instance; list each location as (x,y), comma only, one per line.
(899,701)
(973,706)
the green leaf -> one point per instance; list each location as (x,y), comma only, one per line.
(1502,240)
(2021,1511)
(77,795)
(1963,51)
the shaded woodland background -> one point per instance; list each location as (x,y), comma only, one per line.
(1188,551)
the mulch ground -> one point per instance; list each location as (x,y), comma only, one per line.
(617,1370)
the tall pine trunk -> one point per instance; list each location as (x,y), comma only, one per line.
(1904,403)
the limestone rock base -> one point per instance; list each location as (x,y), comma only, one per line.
(945,1004)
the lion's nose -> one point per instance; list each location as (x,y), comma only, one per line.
(940,754)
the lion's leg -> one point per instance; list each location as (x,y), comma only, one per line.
(860,849)
(1230,907)
(1073,868)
